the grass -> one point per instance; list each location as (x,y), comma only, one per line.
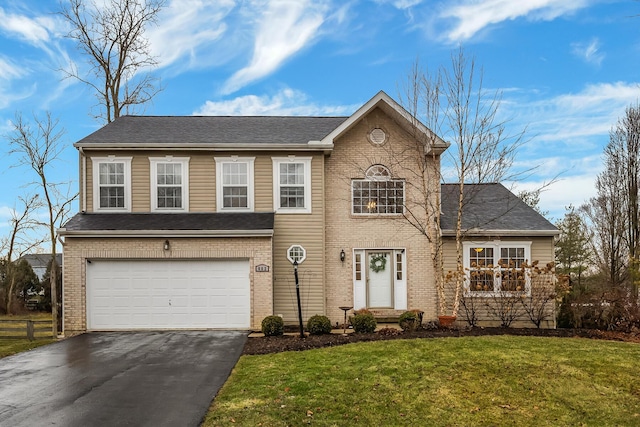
(13,346)
(493,381)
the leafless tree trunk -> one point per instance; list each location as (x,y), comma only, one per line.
(614,212)
(454,104)
(20,241)
(112,37)
(623,159)
(38,147)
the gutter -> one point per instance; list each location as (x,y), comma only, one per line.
(206,146)
(165,233)
(483,232)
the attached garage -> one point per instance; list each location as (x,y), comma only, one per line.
(167,294)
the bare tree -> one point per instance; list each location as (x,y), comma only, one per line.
(623,149)
(614,211)
(454,104)
(113,38)
(21,240)
(38,146)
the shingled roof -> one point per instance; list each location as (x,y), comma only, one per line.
(217,223)
(184,130)
(491,209)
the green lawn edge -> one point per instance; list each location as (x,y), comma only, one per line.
(467,381)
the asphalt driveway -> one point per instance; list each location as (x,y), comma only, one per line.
(118,379)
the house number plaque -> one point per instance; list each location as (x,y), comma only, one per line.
(262,268)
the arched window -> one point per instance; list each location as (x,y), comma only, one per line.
(378,193)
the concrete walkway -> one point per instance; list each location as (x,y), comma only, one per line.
(118,379)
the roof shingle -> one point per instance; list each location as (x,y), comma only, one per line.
(218,221)
(177,130)
(491,207)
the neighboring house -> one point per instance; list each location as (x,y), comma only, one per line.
(194,222)
(39,262)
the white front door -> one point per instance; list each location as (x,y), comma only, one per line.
(379,279)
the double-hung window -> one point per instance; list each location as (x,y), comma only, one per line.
(111,184)
(169,184)
(496,267)
(234,183)
(377,193)
(292,184)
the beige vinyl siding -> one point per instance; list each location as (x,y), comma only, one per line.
(202,182)
(541,250)
(306,230)
(263,183)
(202,178)
(140,184)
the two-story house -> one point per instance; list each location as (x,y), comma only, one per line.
(194,222)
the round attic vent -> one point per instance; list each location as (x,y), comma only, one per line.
(378,136)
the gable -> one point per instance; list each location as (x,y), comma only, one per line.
(398,114)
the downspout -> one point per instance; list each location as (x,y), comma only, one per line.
(83,173)
(62,242)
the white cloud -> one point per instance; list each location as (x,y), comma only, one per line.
(35,31)
(400,4)
(588,52)
(284,27)
(8,70)
(288,102)
(472,16)
(187,32)
(574,116)
(571,190)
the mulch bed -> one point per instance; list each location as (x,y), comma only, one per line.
(267,345)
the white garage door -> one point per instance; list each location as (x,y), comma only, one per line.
(166,294)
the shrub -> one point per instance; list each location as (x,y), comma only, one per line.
(410,320)
(363,322)
(389,332)
(318,325)
(272,326)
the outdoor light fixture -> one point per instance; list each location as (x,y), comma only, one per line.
(167,245)
(342,255)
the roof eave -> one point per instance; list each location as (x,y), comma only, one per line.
(165,233)
(506,233)
(201,146)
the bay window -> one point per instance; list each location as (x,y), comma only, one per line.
(495,267)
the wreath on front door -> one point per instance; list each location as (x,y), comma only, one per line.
(378,263)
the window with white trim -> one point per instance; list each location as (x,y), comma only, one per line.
(169,184)
(296,253)
(234,183)
(111,183)
(377,193)
(292,184)
(496,267)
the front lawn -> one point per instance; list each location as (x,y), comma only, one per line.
(17,345)
(493,380)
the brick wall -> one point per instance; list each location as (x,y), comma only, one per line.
(353,154)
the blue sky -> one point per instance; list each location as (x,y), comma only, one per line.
(567,69)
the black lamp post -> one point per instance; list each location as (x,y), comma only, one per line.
(295,274)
